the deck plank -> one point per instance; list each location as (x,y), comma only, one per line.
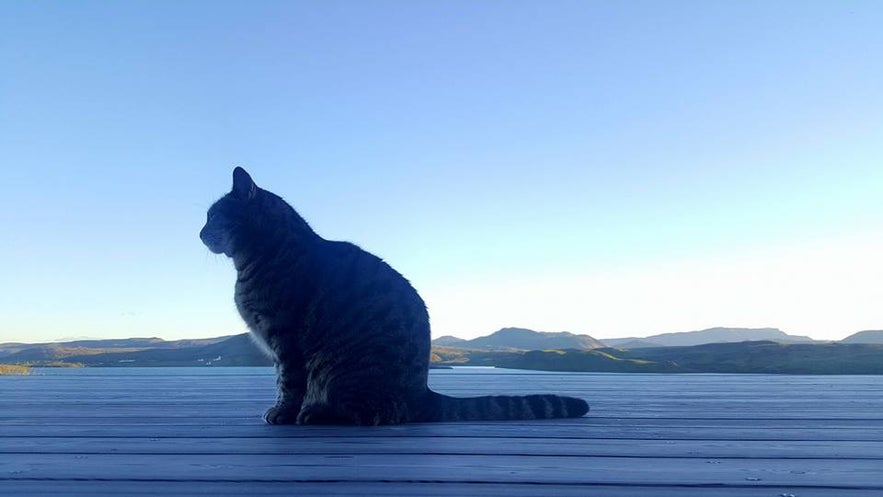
(132,432)
(415,445)
(160,428)
(394,489)
(460,468)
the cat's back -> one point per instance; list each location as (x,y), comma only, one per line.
(359,279)
(347,265)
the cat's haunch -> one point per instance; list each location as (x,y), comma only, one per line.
(349,335)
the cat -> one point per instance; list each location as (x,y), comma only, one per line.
(348,334)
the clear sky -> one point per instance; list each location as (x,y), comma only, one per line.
(611,168)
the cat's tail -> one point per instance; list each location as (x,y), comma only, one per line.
(440,407)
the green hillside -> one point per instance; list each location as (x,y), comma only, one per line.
(744,357)
(239,350)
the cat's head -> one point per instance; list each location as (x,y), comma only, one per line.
(242,216)
(227,217)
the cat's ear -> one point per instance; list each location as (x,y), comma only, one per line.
(243,185)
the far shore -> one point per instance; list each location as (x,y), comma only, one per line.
(14,369)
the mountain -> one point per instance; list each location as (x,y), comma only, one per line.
(711,335)
(869,336)
(56,350)
(595,360)
(768,357)
(522,339)
(743,357)
(630,343)
(237,350)
(155,343)
(536,354)
(449,341)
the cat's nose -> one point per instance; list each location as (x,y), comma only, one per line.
(202,234)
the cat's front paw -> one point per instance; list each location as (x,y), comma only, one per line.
(282,414)
(319,414)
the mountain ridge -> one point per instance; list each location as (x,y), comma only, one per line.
(707,336)
(561,351)
(867,336)
(761,357)
(512,338)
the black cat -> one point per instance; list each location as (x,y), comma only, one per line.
(349,335)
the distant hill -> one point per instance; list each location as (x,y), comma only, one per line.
(869,336)
(769,357)
(237,350)
(630,343)
(711,335)
(594,360)
(508,348)
(743,357)
(522,339)
(449,341)
(56,350)
(157,343)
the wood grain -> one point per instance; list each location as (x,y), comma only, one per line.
(195,431)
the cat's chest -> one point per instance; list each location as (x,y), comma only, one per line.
(259,324)
(254,311)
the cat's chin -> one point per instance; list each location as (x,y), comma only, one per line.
(219,251)
(214,249)
(213,246)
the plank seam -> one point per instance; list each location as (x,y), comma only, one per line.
(455,482)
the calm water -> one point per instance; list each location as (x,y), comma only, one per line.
(261,371)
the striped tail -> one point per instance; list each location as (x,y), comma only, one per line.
(502,408)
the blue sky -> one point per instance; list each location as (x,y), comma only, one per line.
(612,168)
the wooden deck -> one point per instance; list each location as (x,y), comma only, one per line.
(148,432)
